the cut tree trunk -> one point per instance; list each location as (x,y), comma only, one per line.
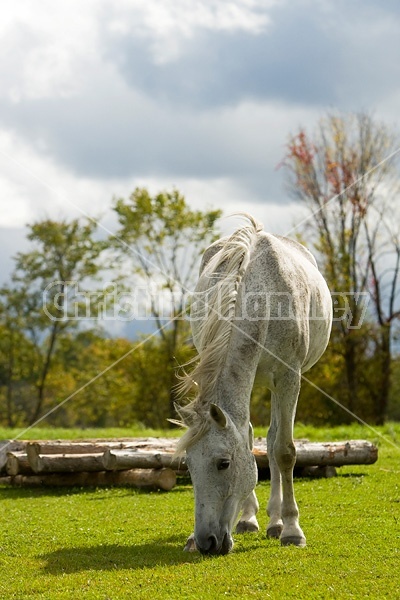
(334,454)
(130,459)
(308,454)
(67,463)
(7,446)
(123,455)
(150,479)
(76,447)
(17,463)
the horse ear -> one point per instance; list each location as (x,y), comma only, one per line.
(218,415)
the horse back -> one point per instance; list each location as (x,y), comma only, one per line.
(283,304)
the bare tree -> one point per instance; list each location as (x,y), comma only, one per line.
(346,175)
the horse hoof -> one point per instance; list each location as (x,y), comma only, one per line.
(247,527)
(190,545)
(294,540)
(274,531)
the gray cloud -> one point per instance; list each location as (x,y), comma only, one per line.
(99,107)
(310,54)
(214,108)
(113,132)
(224,69)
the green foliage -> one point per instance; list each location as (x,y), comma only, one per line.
(152,380)
(48,362)
(106,395)
(119,543)
(17,373)
(65,249)
(394,399)
(325,392)
(41,305)
(163,238)
(100,382)
(163,220)
(160,241)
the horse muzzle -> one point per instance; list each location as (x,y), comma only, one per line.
(212,546)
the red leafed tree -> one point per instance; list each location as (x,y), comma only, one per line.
(346,174)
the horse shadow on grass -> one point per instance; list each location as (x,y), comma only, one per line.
(109,557)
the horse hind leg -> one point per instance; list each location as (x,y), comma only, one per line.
(248,521)
(285,456)
(274,508)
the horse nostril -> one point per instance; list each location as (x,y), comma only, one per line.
(213,543)
(226,544)
(208,546)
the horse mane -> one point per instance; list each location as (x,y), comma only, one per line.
(227,267)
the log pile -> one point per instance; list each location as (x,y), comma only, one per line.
(148,463)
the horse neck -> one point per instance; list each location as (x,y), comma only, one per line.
(236,379)
(233,396)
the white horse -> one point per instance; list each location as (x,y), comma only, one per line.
(260,302)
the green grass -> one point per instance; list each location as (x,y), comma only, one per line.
(391,431)
(56,433)
(121,543)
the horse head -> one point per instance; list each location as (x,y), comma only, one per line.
(224,473)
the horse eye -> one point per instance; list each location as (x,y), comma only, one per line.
(223,464)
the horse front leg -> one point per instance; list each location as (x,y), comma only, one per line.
(248,521)
(285,456)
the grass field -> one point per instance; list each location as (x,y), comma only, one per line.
(121,543)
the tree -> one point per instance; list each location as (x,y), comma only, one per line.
(48,296)
(101,396)
(134,390)
(347,178)
(159,243)
(17,360)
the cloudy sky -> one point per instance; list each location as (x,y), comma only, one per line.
(98,97)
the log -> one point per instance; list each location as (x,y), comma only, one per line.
(114,460)
(149,479)
(132,459)
(66,463)
(309,454)
(34,449)
(6,480)
(17,463)
(157,453)
(164,479)
(334,454)
(95,446)
(9,446)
